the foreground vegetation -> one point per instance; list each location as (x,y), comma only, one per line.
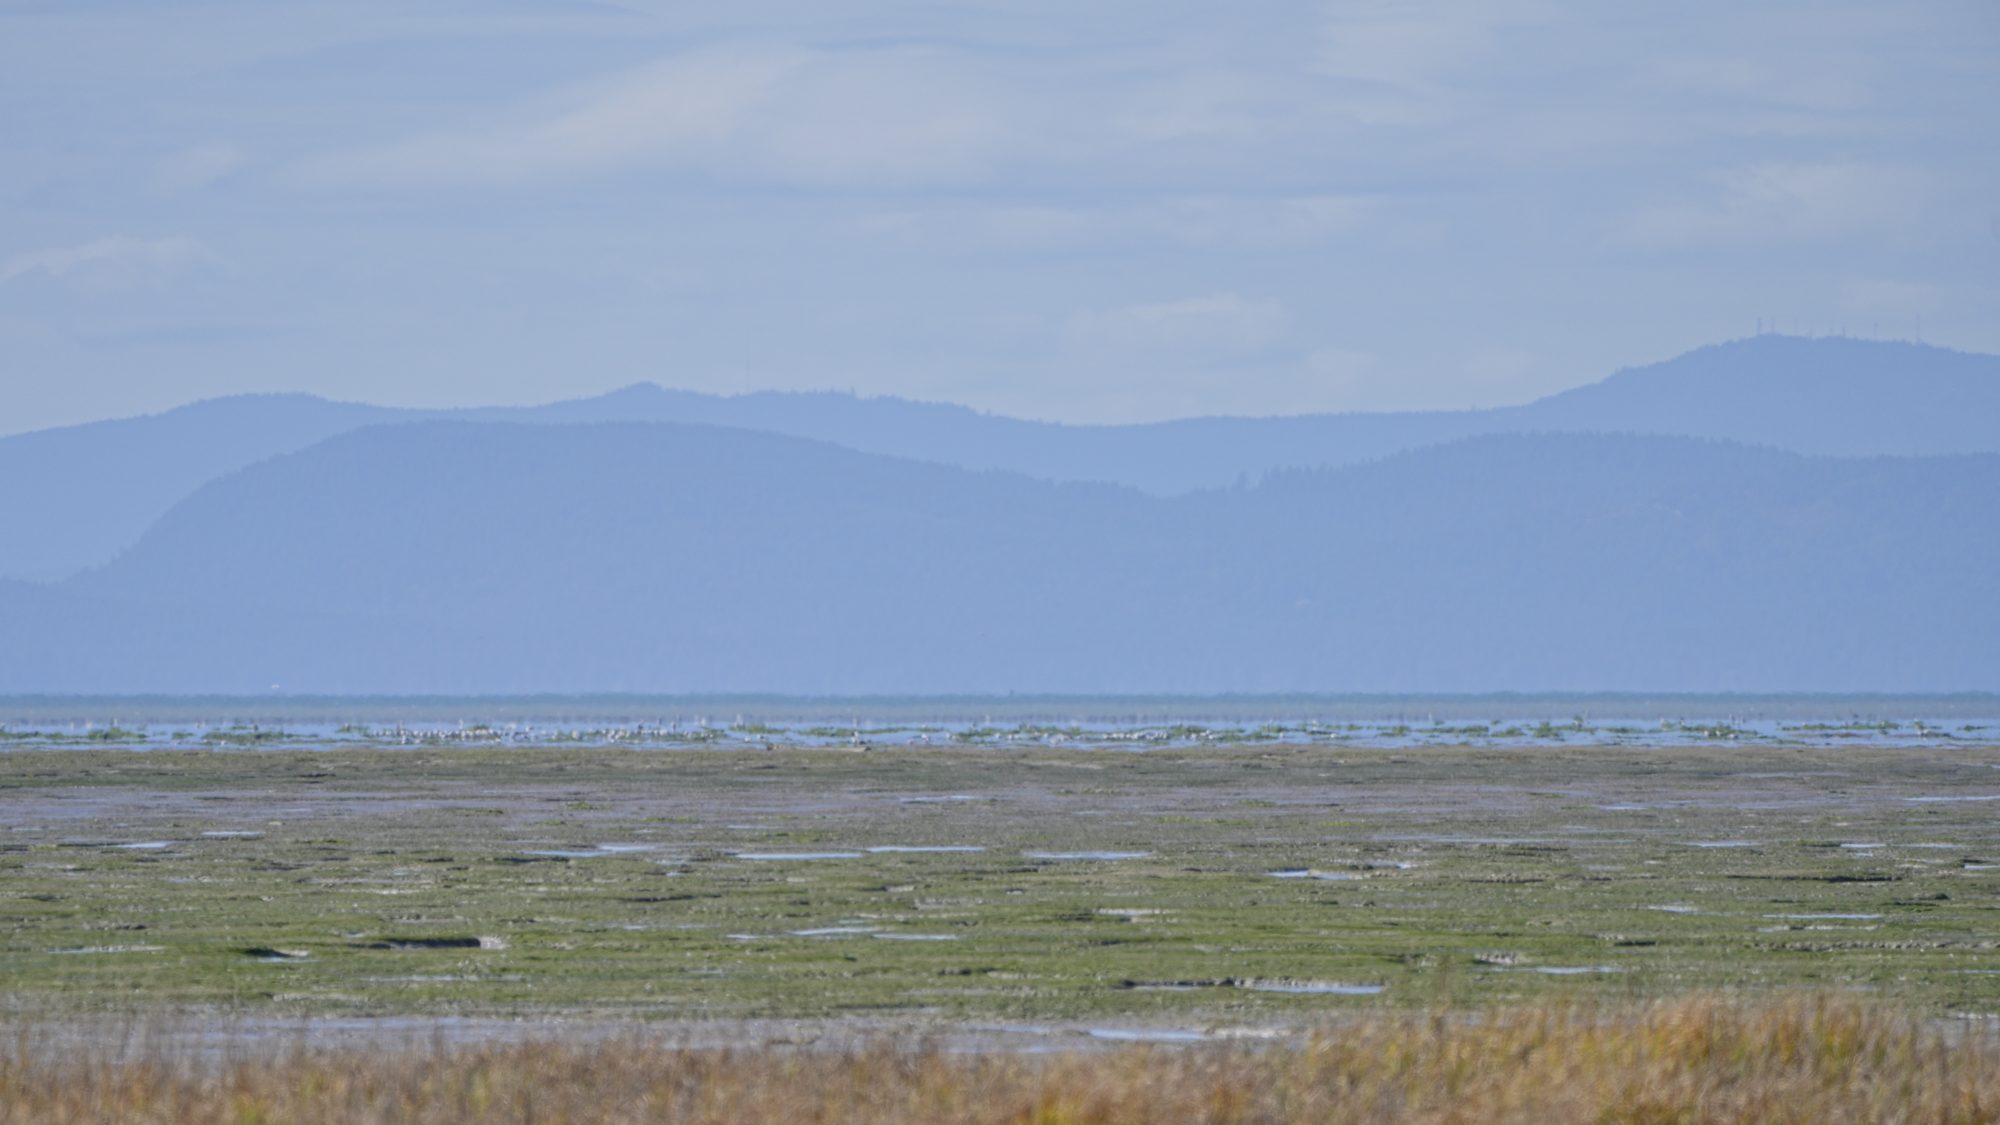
(973,934)
(1259,886)
(1805,1060)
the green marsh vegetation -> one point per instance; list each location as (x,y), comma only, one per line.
(1266,885)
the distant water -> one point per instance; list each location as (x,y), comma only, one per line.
(1120,709)
(1116,722)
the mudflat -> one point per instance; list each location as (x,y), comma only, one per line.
(1182,889)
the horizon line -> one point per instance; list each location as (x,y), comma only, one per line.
(857,396)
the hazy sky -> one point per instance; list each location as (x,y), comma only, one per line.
(1103,211)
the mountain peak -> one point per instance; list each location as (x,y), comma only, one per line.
(98,487)
(1820,394)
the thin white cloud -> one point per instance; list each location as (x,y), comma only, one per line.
(110,262)
(199,166)
(1782,202)
(1344,373)
(954,201)
(1206,329)
(1329,379)
(1207,105)
(1289,221)
(763,112)
(1882,296)
(1190,221)
(1344,378)
(1414,58)
(1498,365)
(1812,82)
(681,103)
(1401,43)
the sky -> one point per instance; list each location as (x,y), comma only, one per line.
(1105,212)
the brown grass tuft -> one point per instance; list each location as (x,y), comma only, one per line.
(1807,1060)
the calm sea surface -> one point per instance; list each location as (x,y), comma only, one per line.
(1111,722)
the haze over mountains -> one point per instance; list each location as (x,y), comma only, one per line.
(74,497)
(1600,539)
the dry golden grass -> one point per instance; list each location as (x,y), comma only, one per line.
(1806,1060)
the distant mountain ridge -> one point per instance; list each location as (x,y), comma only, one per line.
(1833,396)
(664,557)
(74,497)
